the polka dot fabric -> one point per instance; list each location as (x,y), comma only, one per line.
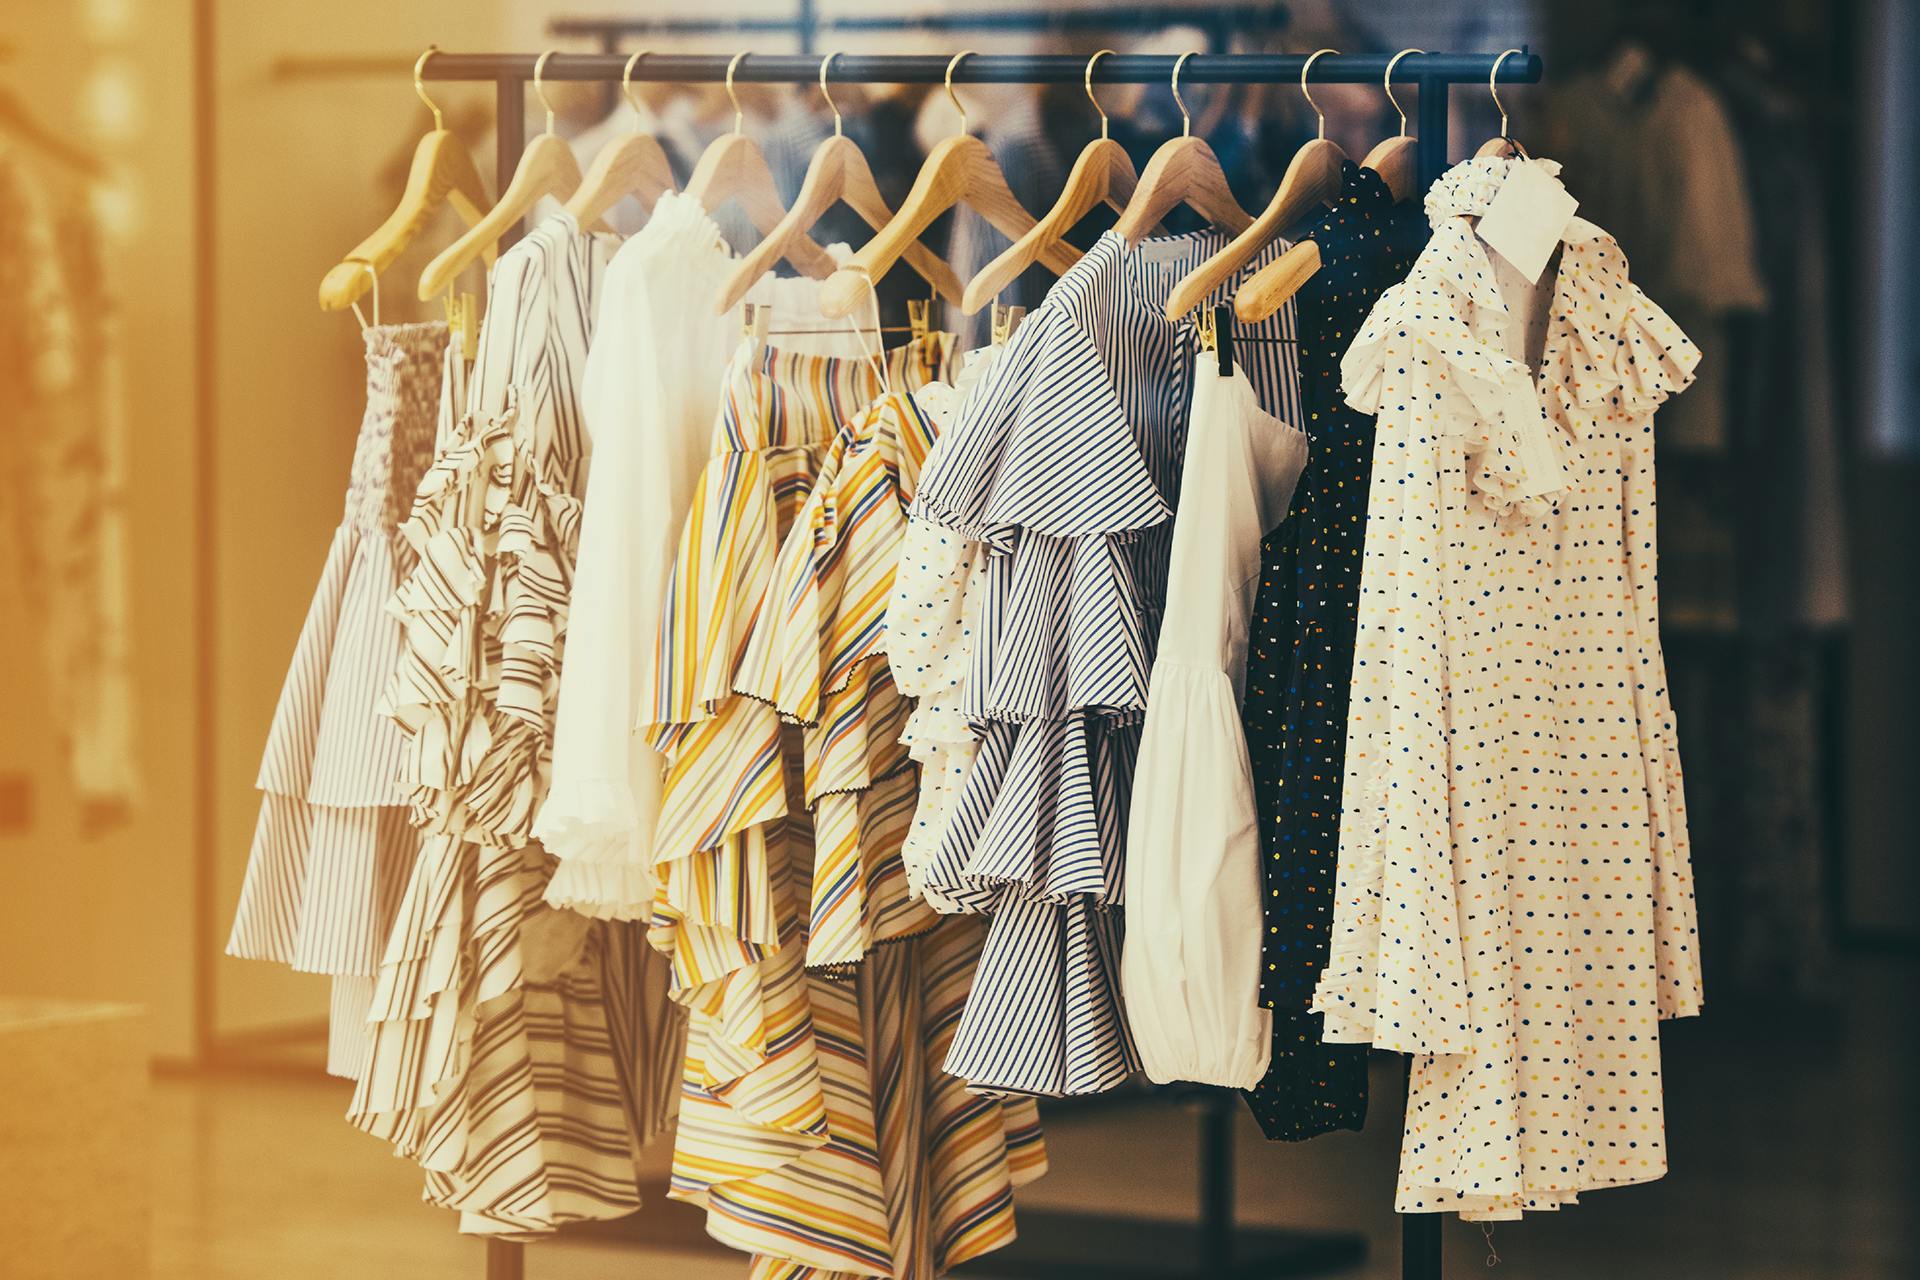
(1301,657)
(1514,903)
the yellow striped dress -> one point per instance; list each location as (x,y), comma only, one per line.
(816,1127)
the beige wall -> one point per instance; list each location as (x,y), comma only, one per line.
(109,916)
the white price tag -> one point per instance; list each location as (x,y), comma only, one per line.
(1527,218)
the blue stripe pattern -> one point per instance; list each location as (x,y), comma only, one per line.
(1065,463)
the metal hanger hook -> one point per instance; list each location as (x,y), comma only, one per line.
(953,97)
(1308,94)
(739,116)
(539,86)
(420,87)
(1493,87)
(626,86)
(1387,82)
(1186,120)
(824,64)
(1090,98)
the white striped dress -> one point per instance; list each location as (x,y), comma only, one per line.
(332,848)
(520,1053)
(1065,463)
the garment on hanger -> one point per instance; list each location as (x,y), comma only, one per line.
(1515,905)
(1064,465)
(650,394)
(519,1053)
(931,622)
(66,432)
(1190,968)
(333,845)
(815,1126)
(1301,662)
(817,655)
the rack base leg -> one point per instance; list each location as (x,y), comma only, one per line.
(506,1260)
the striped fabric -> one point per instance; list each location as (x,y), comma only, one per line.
(1065,465)
(332,848)
(815,1126)
(501,1061)
(816,655)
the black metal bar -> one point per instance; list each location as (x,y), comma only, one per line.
(506,1260)
(1430,127)
(510,136)
(808,23)
(1216,1184)
(774,68)
(1420,1253)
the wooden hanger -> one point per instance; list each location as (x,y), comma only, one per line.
(1313,178)
(1183,171)
(635,165)
(1396,158)
(733,168)
(959,170)
(443,173)
(1502,143)
(838,172)
(546,169)
(1103,173)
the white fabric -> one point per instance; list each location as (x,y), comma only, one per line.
(1190,969)
(650,396)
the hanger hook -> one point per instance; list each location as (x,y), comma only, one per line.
(1387,82)
(1308,94)
(626,86)
(1493,87)
(539,86)
(1186,121)
(1090,98)
(953,97)
(739,116)
(824,64)
(420,87)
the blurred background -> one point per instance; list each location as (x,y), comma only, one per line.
(176,176)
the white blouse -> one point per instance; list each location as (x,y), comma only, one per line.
(1190,967)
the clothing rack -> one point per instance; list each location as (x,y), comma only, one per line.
(1219,22)
(1214,1250)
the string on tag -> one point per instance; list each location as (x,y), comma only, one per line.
(1493,1254)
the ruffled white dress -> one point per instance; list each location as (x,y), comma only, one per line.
(1515,900)
(1190,969)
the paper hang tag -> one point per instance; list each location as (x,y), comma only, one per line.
(1527,218)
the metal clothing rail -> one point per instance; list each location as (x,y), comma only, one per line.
(1220,22)
(1212,1250)
(1433,74)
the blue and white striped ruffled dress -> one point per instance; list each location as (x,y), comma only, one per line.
(1065,463)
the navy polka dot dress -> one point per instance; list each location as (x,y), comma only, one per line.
(1301,659)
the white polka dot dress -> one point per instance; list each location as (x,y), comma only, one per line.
(1515,904)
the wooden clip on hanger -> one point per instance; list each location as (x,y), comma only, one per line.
(733,168)
(1184,171)
(635,165)
(546,169)
(1312,179)
(1396,158)
(837,173)
(1103,173)
(1503,143)
(959,170)
(443,173)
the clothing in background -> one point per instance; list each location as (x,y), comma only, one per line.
(66,488)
